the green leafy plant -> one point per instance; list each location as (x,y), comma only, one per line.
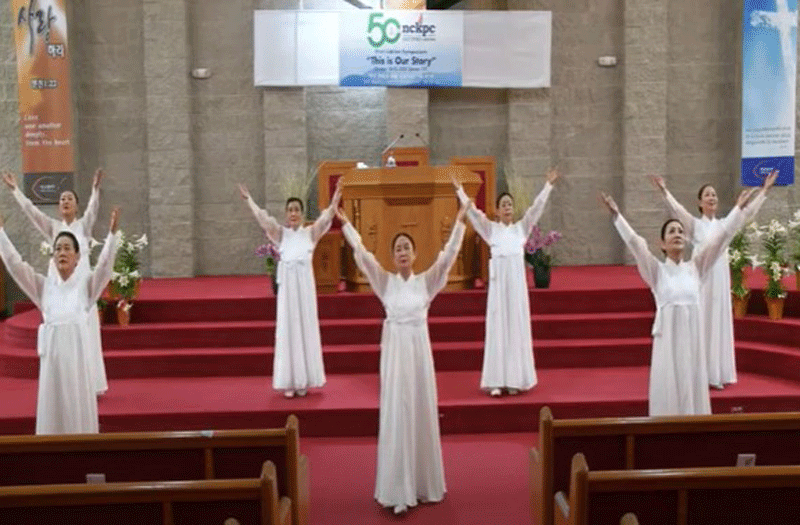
(125,277)
(740,257)
(774,241)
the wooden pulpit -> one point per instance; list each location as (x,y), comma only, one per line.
(418,200)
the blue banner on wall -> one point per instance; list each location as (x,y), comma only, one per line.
(400,48)
(769,66)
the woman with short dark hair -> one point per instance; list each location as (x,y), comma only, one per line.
(66,401)
(297,362)
(678,370)
(410,467)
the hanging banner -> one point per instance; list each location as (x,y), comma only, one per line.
(400,48)
(769,66)
(45,101)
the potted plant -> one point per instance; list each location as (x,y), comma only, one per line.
(739,257)
(794,250)
(269,252)
(125,277)
(538,258)
(774,237)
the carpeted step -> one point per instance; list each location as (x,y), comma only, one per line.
(348,404)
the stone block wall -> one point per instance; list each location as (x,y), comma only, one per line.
(174,147)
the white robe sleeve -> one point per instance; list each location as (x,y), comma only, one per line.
(533,213)
(645,261)
(477,218)
(717,244)
(47,225)
(322,224)
(677,211)
(101,274)
(436,275)
(23,273)
(366,261)
(90,215)
(271,226)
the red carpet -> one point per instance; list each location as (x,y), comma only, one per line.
(198,356)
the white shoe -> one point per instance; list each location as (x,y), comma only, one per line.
(495,392)
(288,394)
(513,391)
(302,392)
(718,387)
(399,509)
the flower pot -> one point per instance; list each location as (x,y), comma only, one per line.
(541,276)
(124,314)
(529,275)
(740,305)
(775,307)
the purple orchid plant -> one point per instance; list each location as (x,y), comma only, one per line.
(535,255)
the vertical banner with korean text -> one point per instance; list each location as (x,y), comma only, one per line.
(45,102)
(769,67)
(401,48)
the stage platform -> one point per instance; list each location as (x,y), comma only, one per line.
(198,355)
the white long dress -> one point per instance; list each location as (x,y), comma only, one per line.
(82,230)
(678,371)
(716,322)
(508,344)
(297,363)
(67,401)
(409,464)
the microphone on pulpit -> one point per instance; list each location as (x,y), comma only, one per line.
(424,142)
(390,161)
(392,143)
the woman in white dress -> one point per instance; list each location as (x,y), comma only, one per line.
(297,364)
(508,344)
(409,467)
(67,401)
(678,371)
(81,228)
(715,297)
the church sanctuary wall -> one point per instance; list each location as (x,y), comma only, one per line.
(174,146)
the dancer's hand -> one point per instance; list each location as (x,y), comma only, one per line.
(658,182)
(341,216)
(456,183)
(114,220)
(98,178)
(744,197)
(552,175)
(769,181)
(244,192)
(606,199)
(337,195)
(10,179)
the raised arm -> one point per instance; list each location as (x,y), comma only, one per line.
(436,275)
(105,262)
(743,212)
(47,225)
(93,206)
(323,222)
(533,213)
(675,208)
(23,273)
(477,218)
(646,262)
(270,225)
(366,261)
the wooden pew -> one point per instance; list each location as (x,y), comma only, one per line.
(708,495)
(242,501)
(648,443)
(161,456)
